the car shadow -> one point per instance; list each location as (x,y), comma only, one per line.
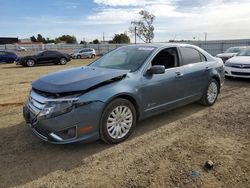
(24,157)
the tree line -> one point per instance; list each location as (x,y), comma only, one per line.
(64,38)
(142,29)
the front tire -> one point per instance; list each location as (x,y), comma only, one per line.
(117,122)
(211,93)
(30,63)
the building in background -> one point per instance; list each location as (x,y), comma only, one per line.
(8,40)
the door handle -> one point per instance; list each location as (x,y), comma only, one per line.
(178,74)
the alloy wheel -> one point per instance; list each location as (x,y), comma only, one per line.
(119,122)
(212,92)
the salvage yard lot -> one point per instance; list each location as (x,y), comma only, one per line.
(162,152)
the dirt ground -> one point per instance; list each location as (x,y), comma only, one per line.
(168,150)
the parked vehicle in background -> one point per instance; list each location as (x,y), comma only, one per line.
(230,52)
(21,49)
(106,98)
(239,65)
(84,53)
(45,57)
(7,57)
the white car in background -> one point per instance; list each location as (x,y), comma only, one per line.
(239,66)
(230,52)
(84,53)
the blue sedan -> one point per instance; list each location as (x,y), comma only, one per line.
(105,99)
(7,57)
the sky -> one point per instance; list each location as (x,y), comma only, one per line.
(88,19)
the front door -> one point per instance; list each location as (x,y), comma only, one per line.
(163,91)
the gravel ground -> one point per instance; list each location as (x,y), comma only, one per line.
(168,150)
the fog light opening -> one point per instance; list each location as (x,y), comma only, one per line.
(66,134)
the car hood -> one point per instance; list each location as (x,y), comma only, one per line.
(76,79)
(240,60)
(226,55)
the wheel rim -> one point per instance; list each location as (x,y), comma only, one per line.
(119,122)
(63,61)
(30,63)
(212,92)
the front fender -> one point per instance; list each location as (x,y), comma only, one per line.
(111,91)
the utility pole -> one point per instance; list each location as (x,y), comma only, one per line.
(103,37)
(135,35)
(205,36)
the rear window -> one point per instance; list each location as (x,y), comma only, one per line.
(191,55)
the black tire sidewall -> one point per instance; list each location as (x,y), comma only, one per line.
(106,112)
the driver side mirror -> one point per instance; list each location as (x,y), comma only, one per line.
(156,69)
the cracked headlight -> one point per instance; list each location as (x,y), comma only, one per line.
(56,108)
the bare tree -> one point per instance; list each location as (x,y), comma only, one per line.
(143,28)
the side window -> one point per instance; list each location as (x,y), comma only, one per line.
(50,53)
(45,53)
(191,55)
(167,57)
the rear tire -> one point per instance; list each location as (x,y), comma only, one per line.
(93,56)
(211,93)
(78,57)
(117,122)
(63,61)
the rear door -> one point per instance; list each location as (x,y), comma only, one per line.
(196,71)
(47,57)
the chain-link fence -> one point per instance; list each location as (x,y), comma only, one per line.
(213,47)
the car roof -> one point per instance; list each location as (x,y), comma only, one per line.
(54,51)
(162,45)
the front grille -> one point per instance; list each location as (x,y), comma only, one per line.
(240,66)
(36,102)
(241,73)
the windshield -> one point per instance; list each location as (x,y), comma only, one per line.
(245,52)
(125,58)
(234,50)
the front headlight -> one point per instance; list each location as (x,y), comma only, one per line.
(227,64)
(56,108)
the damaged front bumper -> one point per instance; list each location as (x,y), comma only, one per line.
(79,125)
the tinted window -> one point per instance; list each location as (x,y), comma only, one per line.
(191,55)
(50,53)
(167,57)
